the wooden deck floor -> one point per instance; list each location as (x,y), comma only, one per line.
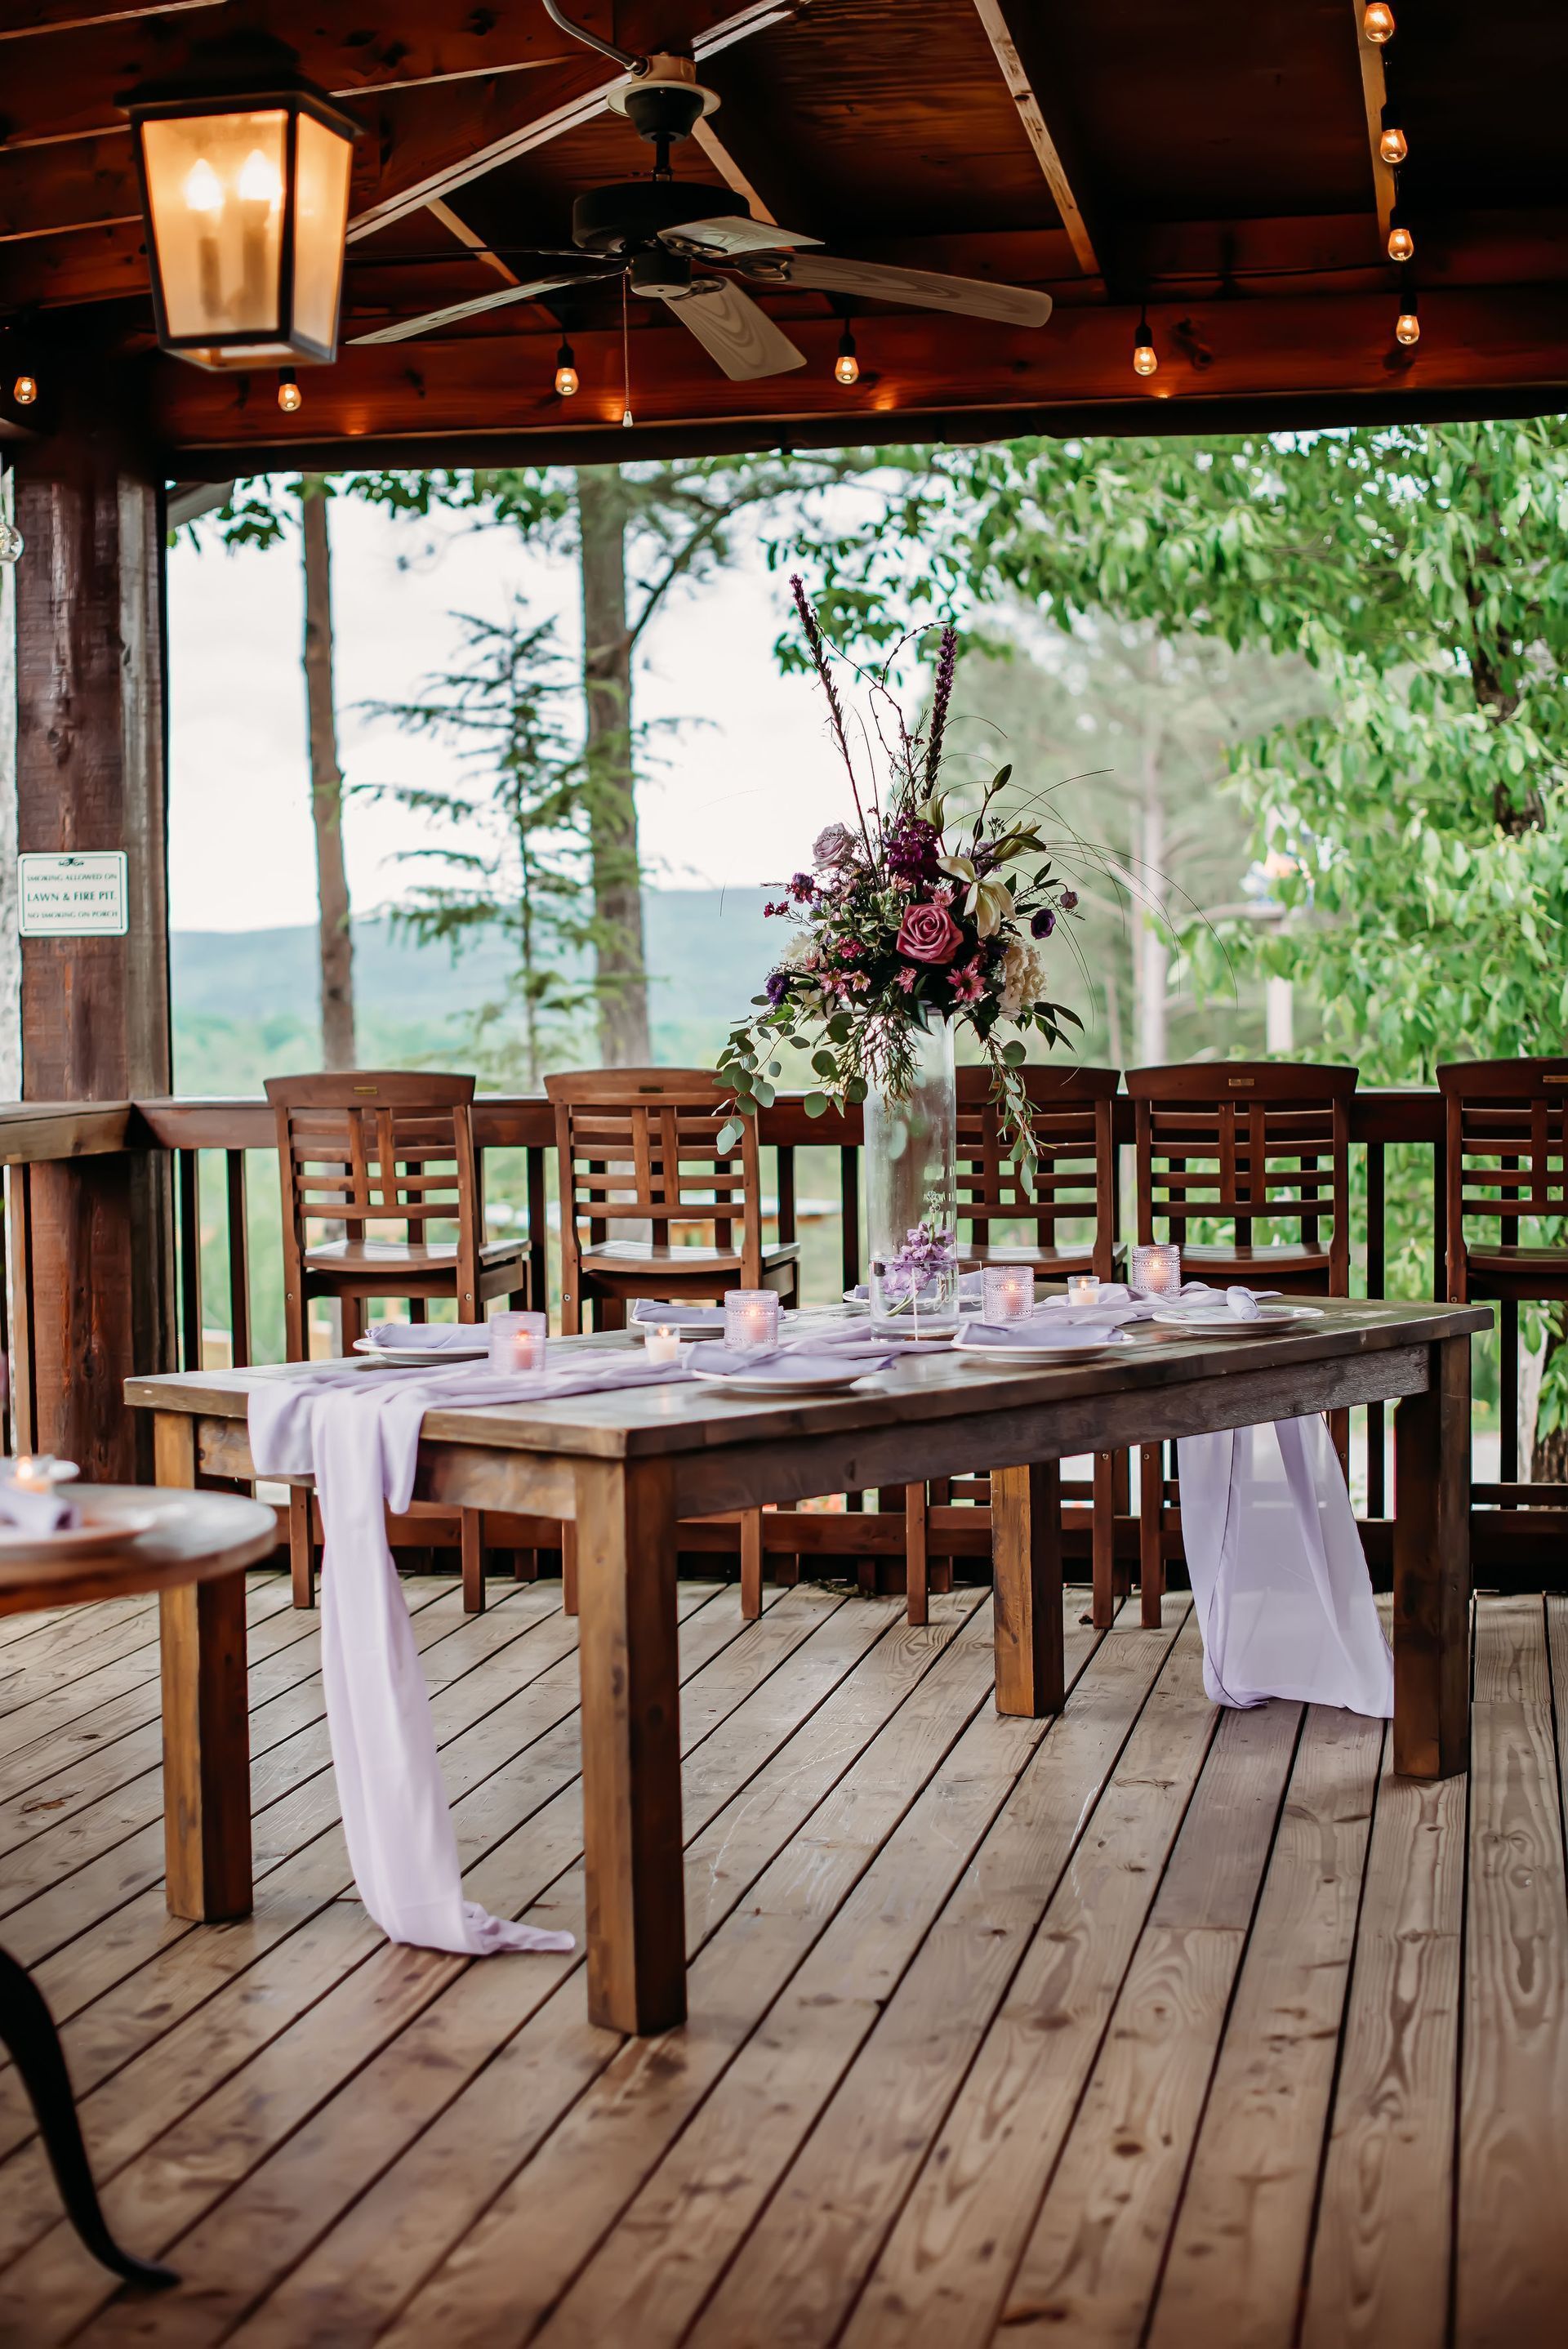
(1147,2026)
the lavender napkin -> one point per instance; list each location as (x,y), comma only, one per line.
(668,1317)
(789,1364)
(1037,1332)
(33,1513)
(427,1337)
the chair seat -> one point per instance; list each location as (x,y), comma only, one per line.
(1054,1263)
(638,1259)
(1514,1265)
(1292,1261)
(357,1258)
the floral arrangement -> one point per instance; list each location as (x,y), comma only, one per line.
(935,905)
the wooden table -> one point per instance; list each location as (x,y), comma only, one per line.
(199,1546)
(626,1467)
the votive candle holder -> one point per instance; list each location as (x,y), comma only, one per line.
(1083,1289)
(1157,1269)
(662,1344)
(750,1319)
(1007,1292)
(518,1343)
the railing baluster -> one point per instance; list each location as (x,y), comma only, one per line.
(24,1392)
(538,1227)
(189,1164)
(239,1261)
(1376,1276)
(850,1197)
(786,1193)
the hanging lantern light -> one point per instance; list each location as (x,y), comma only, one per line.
(567,380)
(846,366)
(245,186)
(1377,22)
(291,398)
(1144,361)
(1392,144)
(1401,243)
(1408,325)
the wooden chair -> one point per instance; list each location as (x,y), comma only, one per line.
(1507,1168)
(1070,1110)
(640,1146)
(368,1148)
(1250,1143)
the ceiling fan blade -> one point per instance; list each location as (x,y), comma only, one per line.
(732,330)
(405,330)
(732,234)
(970,297)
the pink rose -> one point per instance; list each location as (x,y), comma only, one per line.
(929,933)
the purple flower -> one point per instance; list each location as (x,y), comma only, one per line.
(777,987)
(802,887)
(1069,899)
(1044,922)
(910,847)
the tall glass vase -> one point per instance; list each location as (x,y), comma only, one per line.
(911,1161)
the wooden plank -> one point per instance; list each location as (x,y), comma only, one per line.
(984,2158)
(824,2114)
(1374,92)
(1238,2255)
(1090,2265)
(1383,2243)
(1431,1569)
(1027,1551)
(994,15)
(1513,2097)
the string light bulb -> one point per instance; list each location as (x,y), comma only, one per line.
(1401,243)
(1377,22)
(291,398)
(1407,325)
(1144,359)
(847,367)
(1392,144)
(567,381)
(25,390)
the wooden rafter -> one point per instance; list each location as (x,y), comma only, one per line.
(440,210)
(572,115)
(993,15)
(730,171)
(1374,94)
(73,16)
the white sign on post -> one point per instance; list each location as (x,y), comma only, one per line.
(73,896)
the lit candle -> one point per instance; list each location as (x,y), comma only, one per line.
(1083,1288)
(1157,1269)
(518,1341)
(662,1345)
(1008,1292)
(750,1319)
(34,1472)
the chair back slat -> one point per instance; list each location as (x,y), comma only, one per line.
(1507,1155)
(1263,1141)
(1074,1173)
(640,1146)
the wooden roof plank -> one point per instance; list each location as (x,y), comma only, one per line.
(73,16)
(1374,94)
(993,16)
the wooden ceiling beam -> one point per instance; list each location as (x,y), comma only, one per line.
(1373,95)
(1050,141)
(80,17)
(1275,361)
(730,171)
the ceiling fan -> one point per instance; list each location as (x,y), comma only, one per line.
(663,239)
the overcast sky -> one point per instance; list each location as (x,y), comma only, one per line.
(738,801)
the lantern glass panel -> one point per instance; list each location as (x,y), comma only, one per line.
(320,224)
(215,186)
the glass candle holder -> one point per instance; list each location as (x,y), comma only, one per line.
(1083,1288)
(1008,1292)
(1157,1269)
(662,1344)
(750,1319)
(518,1343)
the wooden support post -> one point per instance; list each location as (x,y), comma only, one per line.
(206,1721)
(95,1009)
(472,1536)
(1027,1559)
(750,1564)
(916,1553)
(1432,1570)
(568,1568)
(1102,1542)
(302,1543)
(630,1747)
(1151,1512)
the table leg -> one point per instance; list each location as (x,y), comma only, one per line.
(1026,1560)
(916,1552)
(1151,1526)
(1102,1542)
(1432,1569)
(631,1745)
(206,1721)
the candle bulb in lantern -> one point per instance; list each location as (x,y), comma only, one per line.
(1009,1292)
(1083,1288)
(662,1345)
(32,1471)
(750,1319)
(518,1343)
(1157,1269)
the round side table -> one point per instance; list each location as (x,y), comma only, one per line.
(195,1536)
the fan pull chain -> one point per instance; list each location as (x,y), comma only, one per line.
(625,358)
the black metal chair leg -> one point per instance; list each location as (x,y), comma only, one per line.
(27,2028)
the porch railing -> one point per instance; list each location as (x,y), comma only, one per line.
(210,1143)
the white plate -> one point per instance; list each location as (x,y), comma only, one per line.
(738,1383)
(1227,1324)
(421,1358)
(682,1329)
(99,1534)
(1064,1350)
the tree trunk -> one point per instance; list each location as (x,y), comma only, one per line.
(338,1044)
(601,510)
(1152,959)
